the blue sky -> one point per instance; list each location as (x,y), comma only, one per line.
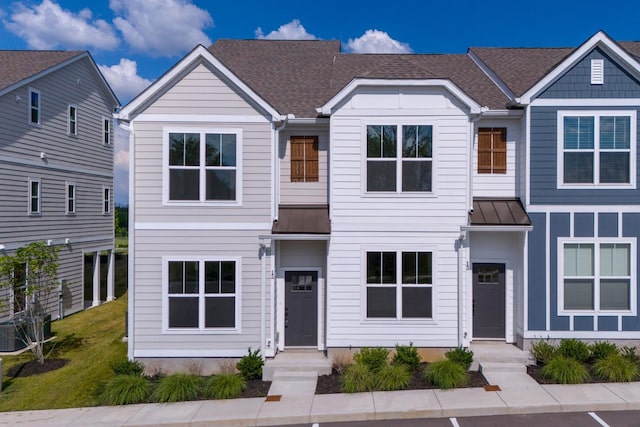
(135,41)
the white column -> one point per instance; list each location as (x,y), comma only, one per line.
(96,279)
(110,282)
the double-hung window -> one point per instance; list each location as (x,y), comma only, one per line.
(34,196)
(597,276)
(202,294)
(399,285)
(34,107)
(399,158)
(596,149)
(72,117)
(106,200)
(71,198)
(203,166)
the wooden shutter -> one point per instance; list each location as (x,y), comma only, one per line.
(304,159)
(492,150)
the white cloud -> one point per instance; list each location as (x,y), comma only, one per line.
(375,41)
(124,79)
(48,26)
(121,172)
(291,31)
(161,27)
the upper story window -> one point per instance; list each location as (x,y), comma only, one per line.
(203,166)
(106,131)
(106,200)
(34,107)
(304,159)
(34,197)
(596,149)
(399,285)
(492,150)
(399,158)
(202,294)
(597,276)
(71,198)
(72,117)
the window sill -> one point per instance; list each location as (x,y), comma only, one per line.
(185,331)
(396,321)
(626,186)
(403,195)
(209,203)
(597,313)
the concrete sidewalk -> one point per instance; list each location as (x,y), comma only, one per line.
(519,394)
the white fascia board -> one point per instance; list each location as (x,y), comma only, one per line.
(600,39)
(198,52)
(327,108)
(294,237)
(503,113)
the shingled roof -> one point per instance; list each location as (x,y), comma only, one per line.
(18,65)
(297,76)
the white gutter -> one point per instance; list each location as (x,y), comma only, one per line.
(263,294)
(496,228)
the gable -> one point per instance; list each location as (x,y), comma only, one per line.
(201,90)
(576,81)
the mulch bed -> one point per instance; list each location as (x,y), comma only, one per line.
(328,384)
(534,372)
(256,388)
(34,368)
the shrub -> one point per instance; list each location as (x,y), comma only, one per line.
(543,352)
(407,356)
(615,367)
(250,366)
(630,353)
(128,367)
(357,378)
(392,377)
(178,388)
(461,356)
(341,361)
(602,349)
(446,374)
(565,370)
(126,390)
(574,349)
(374,358)
(225,386)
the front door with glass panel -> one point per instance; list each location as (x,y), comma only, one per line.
(301,308)
(488,301)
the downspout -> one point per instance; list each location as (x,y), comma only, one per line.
(131,244)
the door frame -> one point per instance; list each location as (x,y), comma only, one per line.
(281,301)
(509,302)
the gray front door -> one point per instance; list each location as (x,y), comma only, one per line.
(488,301)
(301,308)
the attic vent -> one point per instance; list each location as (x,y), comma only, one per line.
(597,71)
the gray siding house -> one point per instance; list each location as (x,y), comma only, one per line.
(286,195)
(56,168)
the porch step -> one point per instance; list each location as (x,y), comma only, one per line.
(288,375)
(502,367)
(499,352)
(296,363)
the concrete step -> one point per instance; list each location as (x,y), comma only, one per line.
(284,374)
(502,367)
(297,361)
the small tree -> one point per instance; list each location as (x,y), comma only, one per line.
(37,264)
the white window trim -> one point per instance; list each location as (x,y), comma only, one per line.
(32,90)
(103,200)
(68,197)
(398,193)
(29,211)
(398,286)
(202,202)
(596,114)
(75,107)
(201,330)
(106,120)
(631,241)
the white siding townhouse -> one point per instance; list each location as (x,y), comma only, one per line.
(287,195)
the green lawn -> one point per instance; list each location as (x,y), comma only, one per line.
(91,340)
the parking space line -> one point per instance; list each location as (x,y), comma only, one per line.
(454,422)
(598,419)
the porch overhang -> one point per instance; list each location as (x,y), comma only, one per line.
(500,214)
(310,220)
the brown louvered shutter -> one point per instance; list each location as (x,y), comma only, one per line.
(304,159)
(492,150)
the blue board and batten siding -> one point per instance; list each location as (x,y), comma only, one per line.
(560,226)
(559,212)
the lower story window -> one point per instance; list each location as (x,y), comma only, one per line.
(202,294)
(399,285)
(597,276)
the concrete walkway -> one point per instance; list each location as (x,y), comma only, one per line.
(292,400)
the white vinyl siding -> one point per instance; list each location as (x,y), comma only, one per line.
(304,192)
